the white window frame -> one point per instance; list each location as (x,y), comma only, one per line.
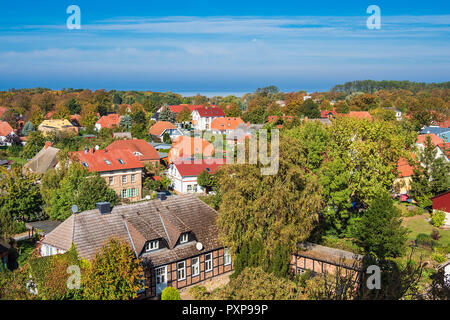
(184,238)
(181,271)
(111,181)
(133,178)
(208,261)
(124,179)
(195,266)
(226,257)
(152,246)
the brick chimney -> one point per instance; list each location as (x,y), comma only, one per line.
(47,144)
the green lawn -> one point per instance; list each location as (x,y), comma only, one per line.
(419,225)
(18,160)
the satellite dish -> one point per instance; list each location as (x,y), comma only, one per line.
(74,208)
(199,246)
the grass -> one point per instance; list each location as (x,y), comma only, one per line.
(420,225)
(18,160)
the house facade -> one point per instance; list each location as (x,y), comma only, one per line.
(121,169)
(161,127)
(441,202)
(184,175)
(5,130)
(175,238)
(203,117)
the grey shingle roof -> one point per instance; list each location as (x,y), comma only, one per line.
(43,160)
(141,222)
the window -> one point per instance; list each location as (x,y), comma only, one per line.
(152,245)
(184,238)
(181,270)
(189,187)
(85,164)
(195,262)
(120,161)
(208,262)
(195,188)
(123,193)
(111,181)
(108,162)
(226,256)
(133,178)
(124,179)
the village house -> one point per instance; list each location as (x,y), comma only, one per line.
(141,149)
(320,259)
(121,169)
(161,127)
(225,125)
(109,121)
(204,116)
(5,130)
(49,126)
(43,161)
(175,238)
(441,146)
(441,202)
(184,175)
(402,184)
(398,113)
(442,132)
(328,114)
(186,148)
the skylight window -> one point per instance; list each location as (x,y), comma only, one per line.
(108,162)
(120,161)
(85,164)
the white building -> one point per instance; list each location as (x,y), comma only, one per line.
(202,118)
(184,175)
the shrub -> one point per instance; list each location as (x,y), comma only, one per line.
(170,293)
(439,258)
(424,240)
(435,235)
(199,292)
(438,218)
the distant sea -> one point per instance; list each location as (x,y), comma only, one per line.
(210,94)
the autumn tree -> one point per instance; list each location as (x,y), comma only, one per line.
(184,115)
(35,143)
(115,273)
(19,195)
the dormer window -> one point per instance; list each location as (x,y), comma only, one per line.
(152,245)
(184,238)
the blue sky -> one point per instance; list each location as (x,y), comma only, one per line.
(221,46)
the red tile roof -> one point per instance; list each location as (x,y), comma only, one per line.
(225,123)
(5,129)
(421,138)
(179,107)
(109,121)
(211,111)
(147,151)
(194,169)
(325,113)
(187,147)
(159,127)
(445,147)
(404,168)
(97,160)
(445,124)
(357,114)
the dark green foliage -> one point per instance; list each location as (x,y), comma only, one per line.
(35,143)
(379,231)
(73,106)
(371,86)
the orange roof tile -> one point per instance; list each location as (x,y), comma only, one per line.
(226,123)
(159,127)
(109,121)
(421,138)
(187,147)
(140,148)
(5,129)
(103,160)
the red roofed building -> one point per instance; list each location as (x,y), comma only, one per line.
(357,114)
(5,130)
(184,174)
(109,121)
(185,147)
(141,149)
(221,125)
(402,184)
(444,124)
(442,146)
(161,127)
(204,116)
(441,202)
(179,107)
(120,168)
(324,114)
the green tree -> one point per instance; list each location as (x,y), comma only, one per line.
(73,106)
(35,143)
(27,128)
(125,122)
(115,273)
(78,187)
(310,109)
(379,232)
(167,115)
(206,180)
(19,195)
(431,174)
(184,115)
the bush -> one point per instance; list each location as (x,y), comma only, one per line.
(435,235)
(170,293)
(199,292)
(438,218)
(439,258)
(424,240)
